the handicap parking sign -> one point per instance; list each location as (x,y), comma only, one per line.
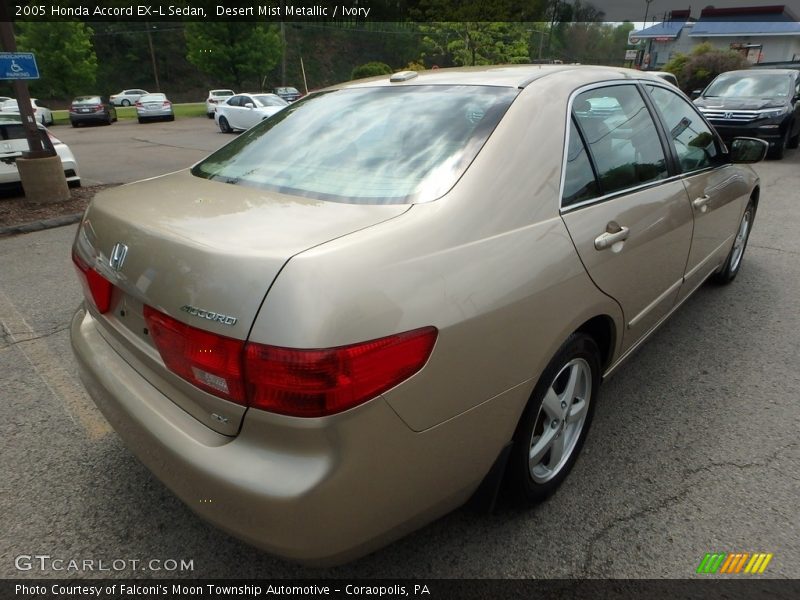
(18,65)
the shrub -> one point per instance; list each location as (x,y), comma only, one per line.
(371,69)
(696,70)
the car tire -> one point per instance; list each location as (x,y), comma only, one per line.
(141,120)
(171,118)
(224,126)
(794,141)
(728,271)
(74,184)
(557,417)
(74,124)
(779,150)
(109,120)
(210,115)
(125,103)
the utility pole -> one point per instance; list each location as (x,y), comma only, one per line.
(152,55)
(283,48)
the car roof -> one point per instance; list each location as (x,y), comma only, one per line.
(761,72)
(517,76)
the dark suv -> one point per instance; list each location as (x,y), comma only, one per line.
(760,103)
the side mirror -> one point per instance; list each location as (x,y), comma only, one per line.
(696,94)
(249,105)
(748,150)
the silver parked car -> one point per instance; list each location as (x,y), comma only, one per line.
(154,107)
(392,293)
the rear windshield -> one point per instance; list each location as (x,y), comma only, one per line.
(771,85)
(222,92)
(87,100)
(153,98)
(389,145)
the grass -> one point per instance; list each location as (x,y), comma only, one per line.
(194,109)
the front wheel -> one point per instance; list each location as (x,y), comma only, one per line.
(553,427)
(733,263)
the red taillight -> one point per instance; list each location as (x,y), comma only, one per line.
(167,104)
(315,383)
(73,108)
(95,287)
(138,104)
(211,362)
(212,101)
(98,108)
(302,383)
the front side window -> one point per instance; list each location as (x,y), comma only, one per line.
(691,138)
(371,145)
(621,136)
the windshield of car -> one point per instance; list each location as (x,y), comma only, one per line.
(270,100)
(762,85)
(388,145)
(87,100)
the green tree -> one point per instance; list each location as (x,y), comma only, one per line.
(232,52)
(471,43)
(703,64)
(64,54)
(370,69)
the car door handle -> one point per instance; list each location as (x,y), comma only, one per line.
(701,203)
(609,238)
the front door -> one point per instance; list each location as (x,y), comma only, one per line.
(630,221)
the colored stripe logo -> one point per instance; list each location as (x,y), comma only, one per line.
(734,563)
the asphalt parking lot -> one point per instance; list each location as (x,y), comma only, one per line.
(694,447)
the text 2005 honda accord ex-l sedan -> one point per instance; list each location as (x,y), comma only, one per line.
(341,324)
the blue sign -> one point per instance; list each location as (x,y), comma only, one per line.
(18,65)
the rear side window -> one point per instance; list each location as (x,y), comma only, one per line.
(691,137)
(621,137)
(370,145)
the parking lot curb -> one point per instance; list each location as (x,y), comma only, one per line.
(40,225)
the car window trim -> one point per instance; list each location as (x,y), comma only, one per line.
(721,147)
(672,176)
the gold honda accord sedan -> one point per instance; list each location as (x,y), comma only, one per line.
(399,291)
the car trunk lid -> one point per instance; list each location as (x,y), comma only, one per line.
(204,253)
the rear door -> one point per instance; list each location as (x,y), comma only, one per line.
(628,216)
(715,188)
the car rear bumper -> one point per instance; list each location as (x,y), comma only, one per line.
(319,491)
(154,114)
(96,117)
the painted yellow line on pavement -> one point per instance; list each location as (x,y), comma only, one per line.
(49,368)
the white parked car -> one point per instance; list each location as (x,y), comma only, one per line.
(127,97)
(242,111)
(14,143)
(216,97)
(42,113)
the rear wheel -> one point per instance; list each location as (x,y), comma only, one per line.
(553,427)
(224,126)
(141,120)
(125,103)
(733,263)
